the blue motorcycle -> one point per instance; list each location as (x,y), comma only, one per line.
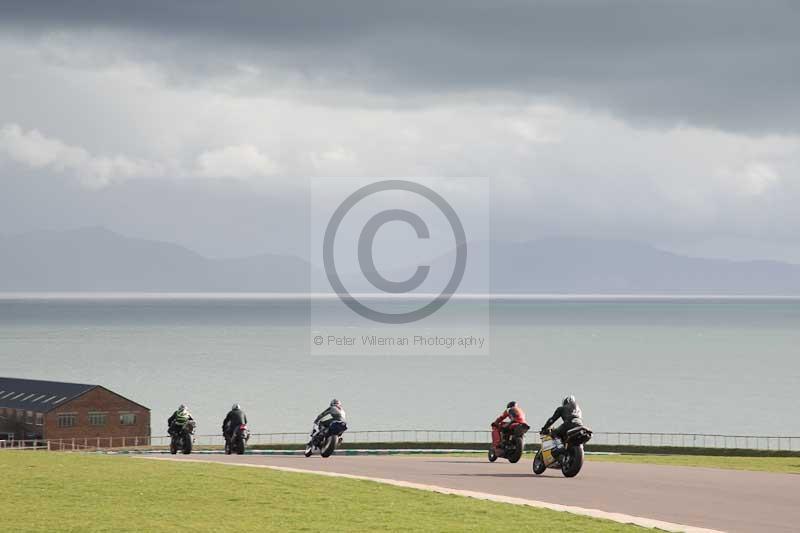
(326,439)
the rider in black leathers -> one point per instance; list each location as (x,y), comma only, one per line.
(233,420)
(570,413)
(334,412)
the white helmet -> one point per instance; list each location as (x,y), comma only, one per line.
(236,407)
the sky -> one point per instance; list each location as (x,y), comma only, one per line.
(671,123)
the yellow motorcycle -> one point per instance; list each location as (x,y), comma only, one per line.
(567,455)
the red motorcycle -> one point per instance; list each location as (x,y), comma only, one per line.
(238,440)
(512,442)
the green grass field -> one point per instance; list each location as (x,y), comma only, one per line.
(788,465)
(73,492)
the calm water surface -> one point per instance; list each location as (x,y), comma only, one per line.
(702,365)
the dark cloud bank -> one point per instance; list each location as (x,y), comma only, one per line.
(727,65)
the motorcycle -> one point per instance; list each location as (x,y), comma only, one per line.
(326,439)
(238,440)
(512,443)
(568,456)
(182,438)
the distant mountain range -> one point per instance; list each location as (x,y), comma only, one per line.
(96,259)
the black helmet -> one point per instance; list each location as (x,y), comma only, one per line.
(569,400)
(511,404)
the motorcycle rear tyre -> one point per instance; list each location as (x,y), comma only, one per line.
(330,446)
(516,455)
(571,467)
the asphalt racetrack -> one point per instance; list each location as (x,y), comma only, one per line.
(725,500)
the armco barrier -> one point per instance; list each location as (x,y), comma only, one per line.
(476,438)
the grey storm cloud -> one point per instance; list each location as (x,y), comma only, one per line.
(726,65)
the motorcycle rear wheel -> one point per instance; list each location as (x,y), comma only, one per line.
(516,454)
(330,446)
(572,462)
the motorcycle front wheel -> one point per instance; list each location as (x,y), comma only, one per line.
(308,451)
(187,445)
(572,462)
(538,464)
(492,455)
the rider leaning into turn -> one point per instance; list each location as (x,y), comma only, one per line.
(512,416)
(570,413)
(334,412)
(233,419)
(179,418)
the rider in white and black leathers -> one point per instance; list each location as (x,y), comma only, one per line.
(334,412)
(570,413)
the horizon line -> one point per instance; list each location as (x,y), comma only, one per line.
(189,295)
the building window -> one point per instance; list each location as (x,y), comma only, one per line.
(127,419)
(67,420)
(97,419)
(39,419)
(29,417)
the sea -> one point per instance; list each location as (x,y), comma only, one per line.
(636,364)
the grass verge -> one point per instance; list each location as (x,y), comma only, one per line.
(73,492)
(786,465)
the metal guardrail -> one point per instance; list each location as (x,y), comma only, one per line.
(643,439)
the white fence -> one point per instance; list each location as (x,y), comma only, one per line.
(420,436)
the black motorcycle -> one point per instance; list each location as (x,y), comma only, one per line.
(512,443)
(236,444)
(326,439)
(567,455)
(182,438)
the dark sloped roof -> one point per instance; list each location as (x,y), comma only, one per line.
(36,395)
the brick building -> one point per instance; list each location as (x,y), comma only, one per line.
(71,413)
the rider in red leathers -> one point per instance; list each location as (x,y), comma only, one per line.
(511,417)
